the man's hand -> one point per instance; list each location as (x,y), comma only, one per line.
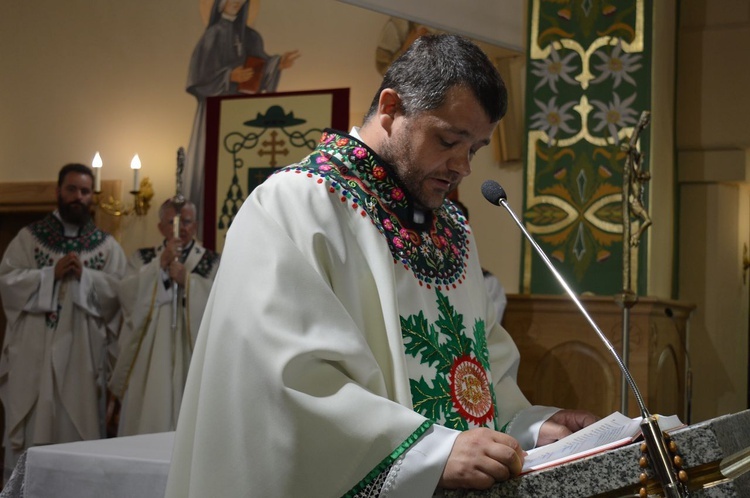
(564,423)
(68,265)
(177,272)
(480,458)
(171,252)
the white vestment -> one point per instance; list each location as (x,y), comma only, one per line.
(152,365)
(54,355)
(336,334)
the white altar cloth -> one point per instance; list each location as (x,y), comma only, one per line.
(122,467)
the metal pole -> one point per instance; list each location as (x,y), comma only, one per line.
(628,298)
(178,201)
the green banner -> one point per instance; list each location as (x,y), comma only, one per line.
(588,80)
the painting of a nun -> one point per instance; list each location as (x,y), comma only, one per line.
(220,65)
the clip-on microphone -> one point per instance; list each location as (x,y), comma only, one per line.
(652,434)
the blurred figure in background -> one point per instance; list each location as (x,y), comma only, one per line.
(155,349)
(494,287)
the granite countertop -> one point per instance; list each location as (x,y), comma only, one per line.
(616,472)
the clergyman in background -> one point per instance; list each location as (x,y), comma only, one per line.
(156,343)
(58,279)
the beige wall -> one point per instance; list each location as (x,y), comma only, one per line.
(712,143)
(660,282)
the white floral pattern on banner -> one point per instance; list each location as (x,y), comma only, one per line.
(614,115)
(553,68)
(552,118)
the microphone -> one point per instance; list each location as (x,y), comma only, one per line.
(652,434)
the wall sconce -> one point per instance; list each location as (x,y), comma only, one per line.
(142,191)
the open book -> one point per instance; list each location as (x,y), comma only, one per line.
(610,432)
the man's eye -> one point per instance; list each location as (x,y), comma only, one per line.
(446,144)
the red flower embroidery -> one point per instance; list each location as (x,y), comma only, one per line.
(439,241)
(379,172)
(360,152)
(411,236)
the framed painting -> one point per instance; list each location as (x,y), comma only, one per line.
(248,137)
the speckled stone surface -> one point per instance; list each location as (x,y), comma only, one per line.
(616,472)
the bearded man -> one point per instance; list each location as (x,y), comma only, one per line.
(58,282)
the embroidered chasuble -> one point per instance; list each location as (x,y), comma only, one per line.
(54,361)
(337,332)
(153,361)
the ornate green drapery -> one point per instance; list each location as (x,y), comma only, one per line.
(588,80)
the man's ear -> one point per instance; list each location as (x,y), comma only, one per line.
(389,105)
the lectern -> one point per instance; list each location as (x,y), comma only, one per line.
(715,455)
(564,364)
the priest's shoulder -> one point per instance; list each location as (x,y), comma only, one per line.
(208,263)
(145,254)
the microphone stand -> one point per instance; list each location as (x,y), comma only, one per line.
(178,201)
(657,447)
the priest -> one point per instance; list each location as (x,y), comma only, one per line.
(58,281)
(156,340)
(349,347)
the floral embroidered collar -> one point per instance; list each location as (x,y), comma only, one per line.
(436,251)
(50,234)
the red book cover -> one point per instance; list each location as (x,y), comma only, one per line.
(253,84)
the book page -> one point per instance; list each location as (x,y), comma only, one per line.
(609,432)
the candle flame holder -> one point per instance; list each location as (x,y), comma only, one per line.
(141,201)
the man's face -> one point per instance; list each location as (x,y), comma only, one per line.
(74,198)
(432,150)
(188,225)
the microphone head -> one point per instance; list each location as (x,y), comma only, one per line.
(493,192)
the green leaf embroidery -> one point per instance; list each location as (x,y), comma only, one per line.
(445,346)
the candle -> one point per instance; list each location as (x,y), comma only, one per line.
(97,165)
(135,165)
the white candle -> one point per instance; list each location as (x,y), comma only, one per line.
(135,165)
(97,165)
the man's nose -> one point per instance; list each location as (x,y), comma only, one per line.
(461,164)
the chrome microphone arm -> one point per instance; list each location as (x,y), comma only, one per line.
(652,434)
